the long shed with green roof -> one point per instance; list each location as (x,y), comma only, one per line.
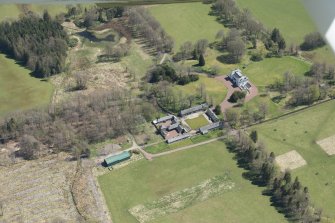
(112,160)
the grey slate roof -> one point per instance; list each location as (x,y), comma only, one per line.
(193,109)
(177,138)
(173,126)
(206,128)
(163,119)
(212,115)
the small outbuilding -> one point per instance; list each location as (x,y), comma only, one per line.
(112,160)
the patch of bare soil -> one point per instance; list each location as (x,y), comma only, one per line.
(49,189)
(328,145)
(37,191)
(290,161)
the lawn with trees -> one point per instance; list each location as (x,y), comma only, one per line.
(123,188)
(300,132)
(295,25)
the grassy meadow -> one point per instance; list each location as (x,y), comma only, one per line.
(214,89)
(186,22)
(269,70)
(300,132)
(144,181)
(18,90)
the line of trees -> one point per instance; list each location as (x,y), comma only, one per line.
(288,196)
(188,50)
(167,72)
(231,16)
(244,29)
(38,43)
(71,125)
(147,26)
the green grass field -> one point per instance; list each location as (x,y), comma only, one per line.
(214,89)
(300,132)
(144,181)
(197,122)
(8,11)
(18,90)
(186,22)
(289,16)
(269,70)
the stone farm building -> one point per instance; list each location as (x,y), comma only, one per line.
(194,109)
(170,128)
(239,79)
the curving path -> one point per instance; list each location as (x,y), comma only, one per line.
(226,104)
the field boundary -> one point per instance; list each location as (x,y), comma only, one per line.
(290,113)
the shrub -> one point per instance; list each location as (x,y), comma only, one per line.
(217,110)
(236,96)
(73,42)
(201,60)
(312,41)
(256,57)
(187,79)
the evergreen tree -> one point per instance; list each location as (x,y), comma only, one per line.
(201,60)
(254,136)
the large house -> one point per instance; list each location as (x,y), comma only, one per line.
(239,79)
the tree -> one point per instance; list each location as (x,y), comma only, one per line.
(254,136)
(217,110)
(81,81)
(312,41)
(186,50)
(236,49)
(201,60)
(281,43)
(200,48)
(232,117)
(219,34)
(90,18)
(237,95)
(275,35)
(29,147)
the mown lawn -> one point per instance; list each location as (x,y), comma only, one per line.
(269,70)
(197,122)
(300,132)
(145,181)
(214,88)
(9,11)
(186,22)
(18,90)
(289,16)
